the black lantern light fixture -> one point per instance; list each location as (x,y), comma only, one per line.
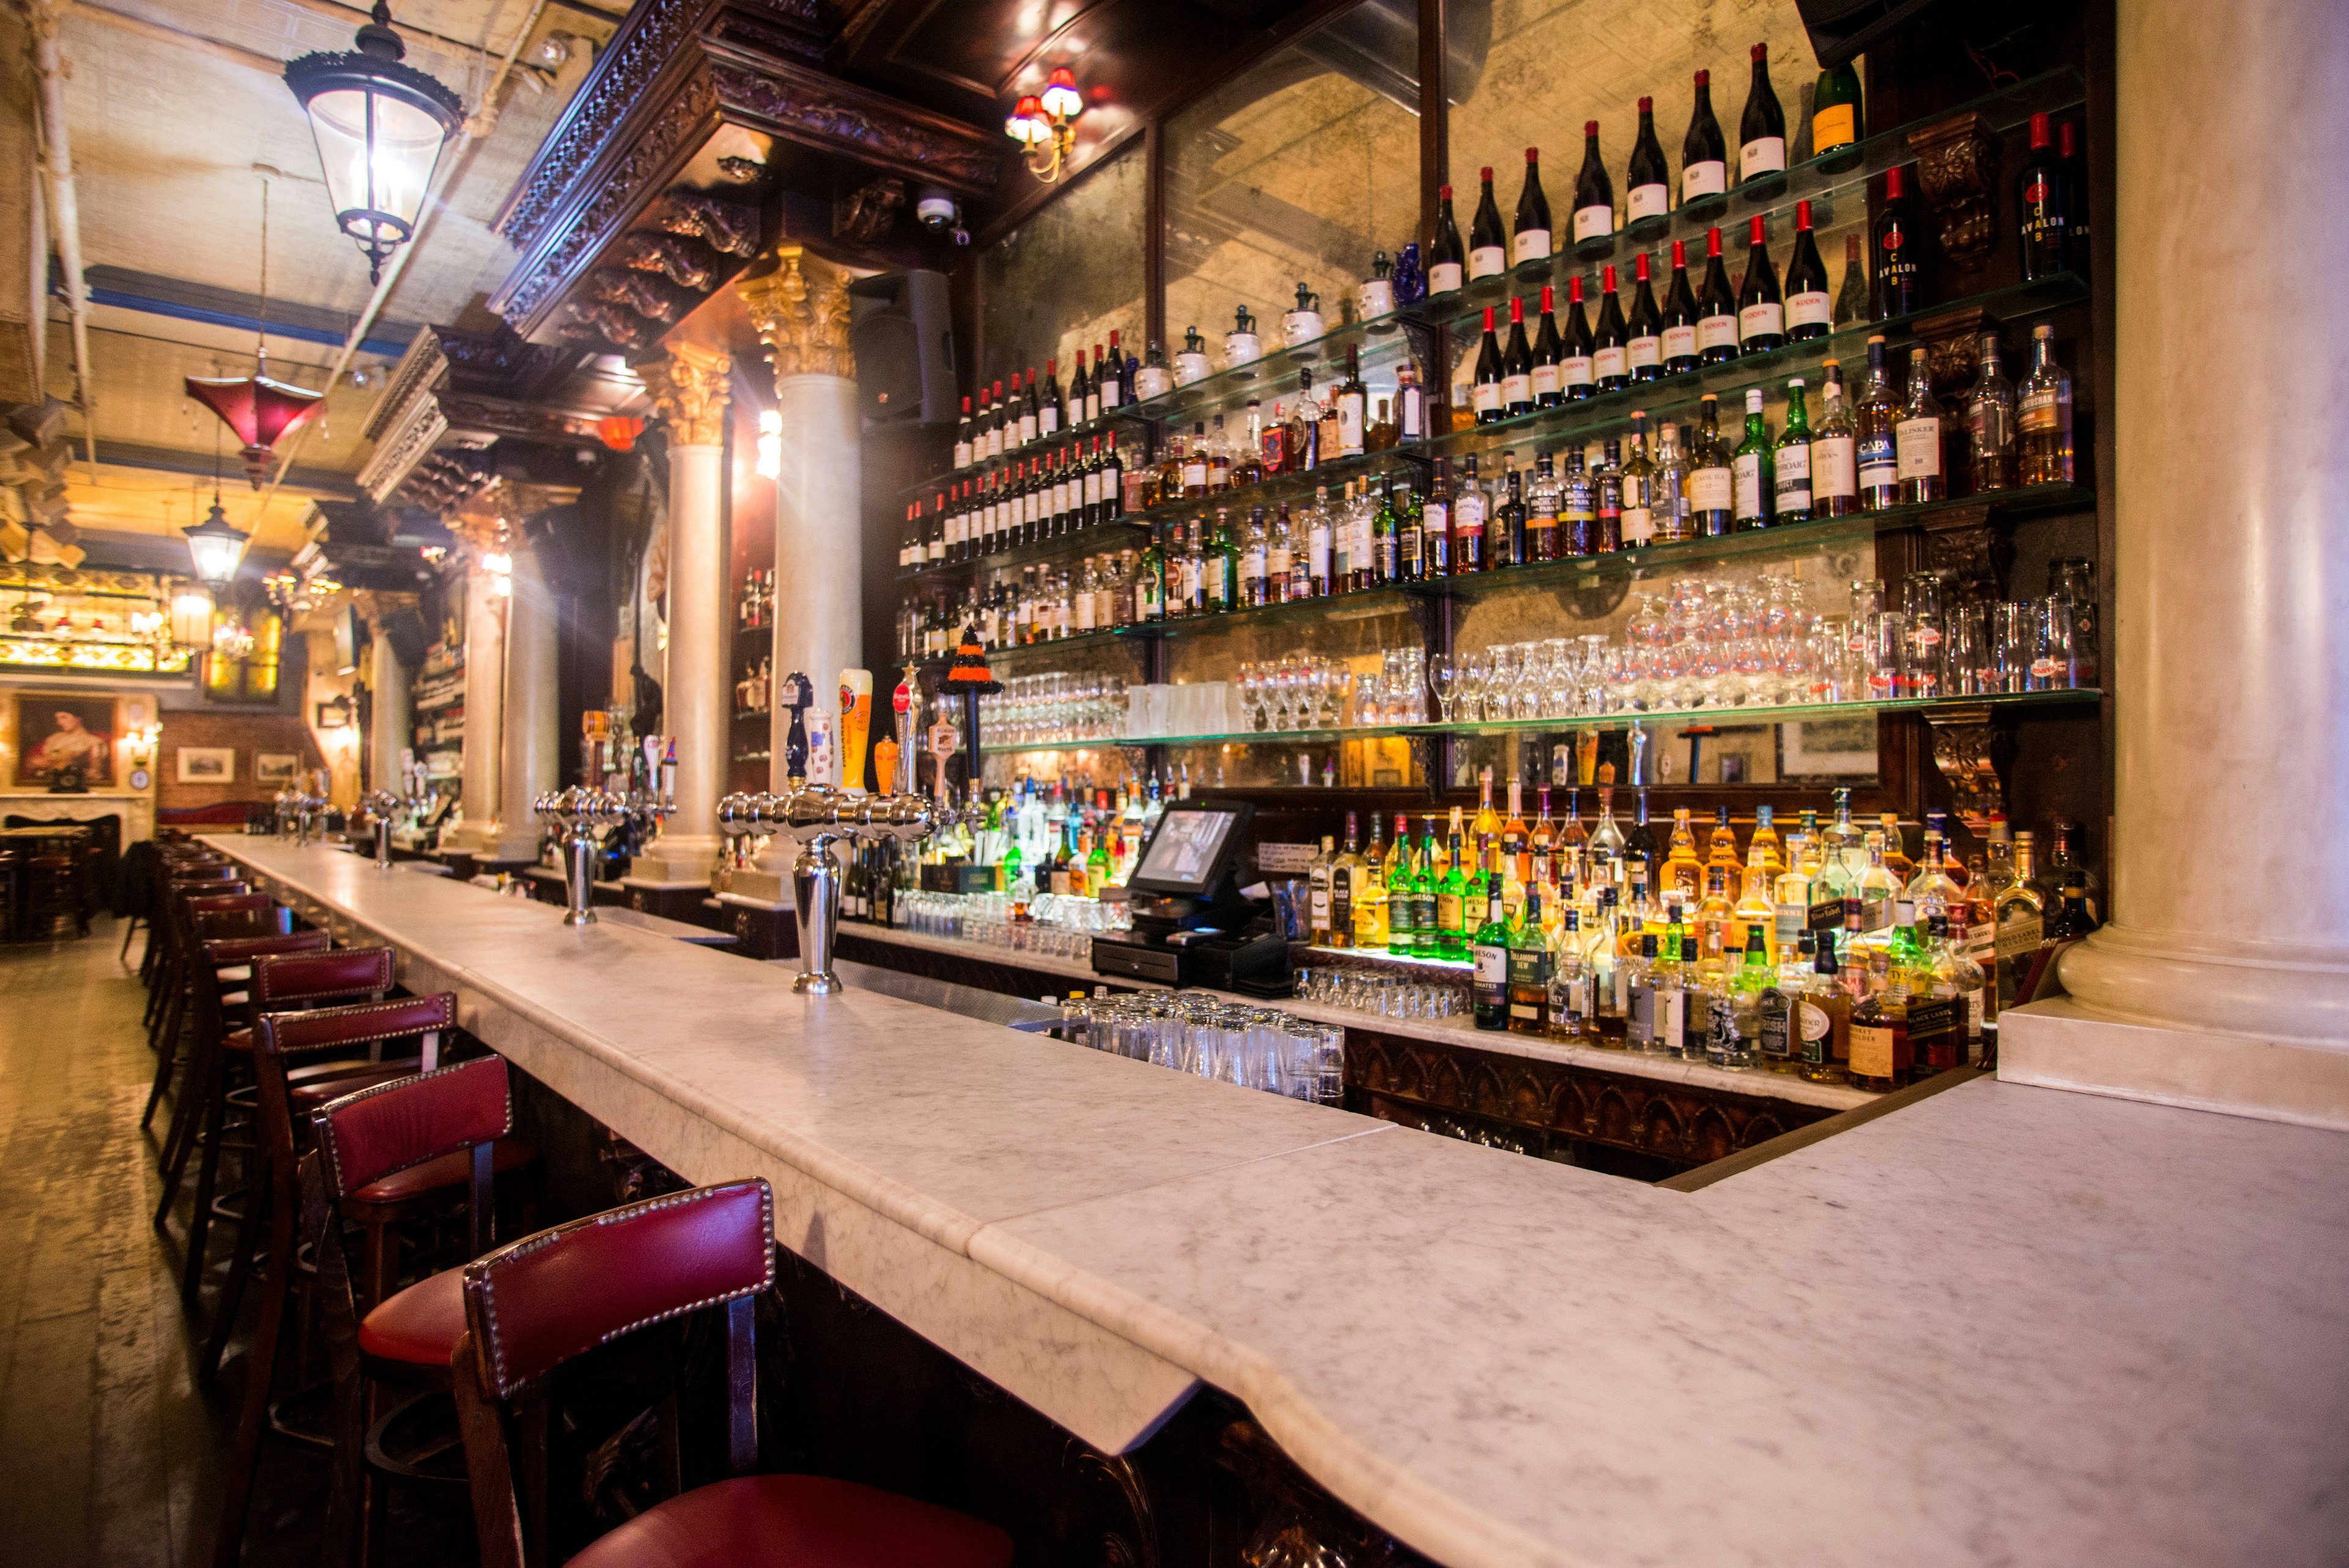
(380,127)
(217,547)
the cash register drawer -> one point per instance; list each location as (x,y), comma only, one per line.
(1133,960)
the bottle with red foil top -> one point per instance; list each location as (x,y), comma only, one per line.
(1549,389)
(1761,308)
(1574,371)
(1611,344)
(1645,349)
(1716,320)
(1446,262)
(1530,241)
(1809,308)
(1594,193)
(2043,205)
(1680,317)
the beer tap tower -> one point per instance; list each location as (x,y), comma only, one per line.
(578,814)
(379,806)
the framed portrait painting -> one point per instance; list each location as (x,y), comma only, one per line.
(64,740)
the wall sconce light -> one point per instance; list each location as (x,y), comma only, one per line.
(1045,124)
(335,714)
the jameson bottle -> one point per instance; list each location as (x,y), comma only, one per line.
(1491,953)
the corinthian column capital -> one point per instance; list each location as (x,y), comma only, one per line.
(690,387)
(801,311)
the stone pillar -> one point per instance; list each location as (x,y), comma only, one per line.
(485,663)
(529,763)
(690,389)
(2222,980)
(391,720)
(800,309)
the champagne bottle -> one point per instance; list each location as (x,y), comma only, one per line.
(1529,242)
(1712,483)
(1645,347)
(1896,290)
(1488,244)
(1761,131)
(1716,323)
(1808,312)
(1549,387)
(1761,308)
(1680,317)
(1837,124)
(1610,348)
(1485,391)
(1647,203)
(1704,159)
(1594,194)
(1446,262)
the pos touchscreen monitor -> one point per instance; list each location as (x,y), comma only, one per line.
(1192,849)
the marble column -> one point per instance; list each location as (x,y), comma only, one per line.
(690,389)
(391,723)
(485,663)
(2222,980)
(528,761)
(800,308)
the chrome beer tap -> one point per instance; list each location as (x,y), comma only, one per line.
(379,806)
(577,814)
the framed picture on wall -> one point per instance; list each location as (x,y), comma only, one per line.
(275,767)
(207,765)
(64,739)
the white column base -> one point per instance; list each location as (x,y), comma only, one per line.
(527,847)
(675,859)
(2063,1043)
(768,877)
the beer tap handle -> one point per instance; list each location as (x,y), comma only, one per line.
(799,696)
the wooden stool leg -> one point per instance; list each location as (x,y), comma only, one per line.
(228,1544)
(240,1269)
(165,1060)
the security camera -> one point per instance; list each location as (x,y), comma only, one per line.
(942,214)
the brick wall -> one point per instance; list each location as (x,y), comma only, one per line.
(248,732)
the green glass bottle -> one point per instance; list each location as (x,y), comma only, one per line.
(1385,547)
(1402,908)
(1839,121)
(1752,467)
(1223,565)
(1490,952)
(1150,579)
(1529,968)
(1426,882)
(1452,908)
(1792,478)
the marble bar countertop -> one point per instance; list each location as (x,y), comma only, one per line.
(2003,1326)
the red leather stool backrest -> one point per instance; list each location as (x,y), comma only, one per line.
(226,903)
(280,979)
(202,871)
(547,1298)
(361,1024)
(225,951)
(275,920)
(366,1136)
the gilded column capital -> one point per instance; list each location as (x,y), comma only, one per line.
(690,387)
(801,311)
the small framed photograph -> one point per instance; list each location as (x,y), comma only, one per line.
(1840,748)
(275,767)
(207,765)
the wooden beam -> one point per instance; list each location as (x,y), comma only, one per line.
(158,32)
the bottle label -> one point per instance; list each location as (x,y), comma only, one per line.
(1638,525)
(1647,353)
(1195,474)
(2038,411)
(1592,222)
(1491,973)
(1112,392)
(1468,514)
(1793,480)
(1317,552)
(1350,423)
(1443,277)
(1766,320)
(1708,178)
(1575,371)
(1409,405)
(1709,489)
(1680,342)
(1871,1051)
(1487,261)
(1671,1016)
(1811,307)
(1084,612)
(1832,466)
(1447,911)
(1516,389)
(1651,201)
(1488,397)
(1746,472)
(1836,125)
(1092,407)
(1717,332)
(1092,490)
(1530,245)
(1547,381)
(1877,469)
(962,454)
(1611,364)
(1918,443)
(1762,155)
(1814,1030)
(1048,420)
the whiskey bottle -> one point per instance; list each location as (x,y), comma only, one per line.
(1792,481)
(2043,416)
(1880,469)
(1989,422)
(1753,483)
(1529,970)
(1917,437)
(1490,952)
(1834,464)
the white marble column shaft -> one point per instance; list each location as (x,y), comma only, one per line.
(2223,978)
(698,688)
(819,544)
(528,762)
(485,662)
(390,716)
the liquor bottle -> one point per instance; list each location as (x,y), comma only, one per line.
(1917,437)
(1446,262)
(1594,194)
(1573,1005)
(1255,556)
(1543,498)
(1507,546)
(1989,422)
(1791,486)
(1345,884)
(2019,917)
(1880,1034)
(1284,578)
(2043,416)
(963,431)
(1761,308)
(1834,467)
(1371,930)
(1714,912)
(1837,119)
(1809,310)
(1529,968)
(2075,192)
(1607,480)
(1488,242)
(1469,506)
(1402,939)
(1485,391)
(1320,583)
(1302,440)
(1436,526)
(1762,130)
(1711,489)
(1574,366)
(1648,196)
(1754,481)
(1490,952)
(1682,875)
(1610,338)
(1427,887)
(1112,501)
(1704,159)
(1879,470)
(1317,883)
(1549,350)
(1577,513)
(2044,204)
(1637,477)
(1851,304)
(1605,849)
(1350,401)
(1896,290)
(1824,1049)
(1716,308)
(1680,317)
(1516,366)
(1668,494)
(1529,240)
(1644,347)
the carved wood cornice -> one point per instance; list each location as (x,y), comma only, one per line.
(691,387)
(801,311)
(808,107)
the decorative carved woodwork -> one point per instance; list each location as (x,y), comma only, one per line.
(1957,164)
(690,386)
(1133,1547)
(642,293)
(824,111)
(727,226)
(1972,753)
(680,260)
(621,328)
(1952,342)
(801,311)
(866,214)
(1968,543)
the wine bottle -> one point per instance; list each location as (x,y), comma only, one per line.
(1645,347)
(1792,502)
(962,438)
(1680,317)
(1549,373)
(1488,244)
(1837,124)
(1353,403)
(1114,390)
(1717,309)
(1516,366)
(1611,347)
(1704,158)
(2075,191)
(1647,202)
(1082,409)
(1446,262)
(1573,364)
(1808,309)
(1093,388)
(2042,202)
(1895,290)
(1032,410)
(1761,131)
(1712,485)
(1529,242)
(1048,412)
(1761,308)
(1486,393)
(1594,193)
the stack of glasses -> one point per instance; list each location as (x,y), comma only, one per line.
(1388,995)
(1042,710)
(1057,925)
(1254,1047)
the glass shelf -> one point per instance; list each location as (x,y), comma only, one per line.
(1677,718)
(1130,635)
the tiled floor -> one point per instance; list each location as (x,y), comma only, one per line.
(110,1452)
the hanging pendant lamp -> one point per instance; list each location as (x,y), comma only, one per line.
(258,409)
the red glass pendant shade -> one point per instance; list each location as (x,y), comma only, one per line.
(259,410)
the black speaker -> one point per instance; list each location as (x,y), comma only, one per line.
(1843,29)
(409,638)
(903,333)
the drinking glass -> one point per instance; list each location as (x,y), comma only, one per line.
(2052,644)
(2011,638)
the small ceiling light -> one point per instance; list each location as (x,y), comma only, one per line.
(1061,98)
(380,127)
(1045,124)
(216,546)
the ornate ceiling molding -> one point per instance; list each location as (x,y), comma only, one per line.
(800,310)
(690,386)
(809,107)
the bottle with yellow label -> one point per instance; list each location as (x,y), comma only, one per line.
(1370,927)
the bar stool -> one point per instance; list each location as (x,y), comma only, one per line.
(538,1302)
(172,994)
(54,895)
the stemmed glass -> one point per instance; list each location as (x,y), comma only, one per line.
(1475,679)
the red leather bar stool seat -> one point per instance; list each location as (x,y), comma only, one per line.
(420,1325)
(797,1522)
(446,1174)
